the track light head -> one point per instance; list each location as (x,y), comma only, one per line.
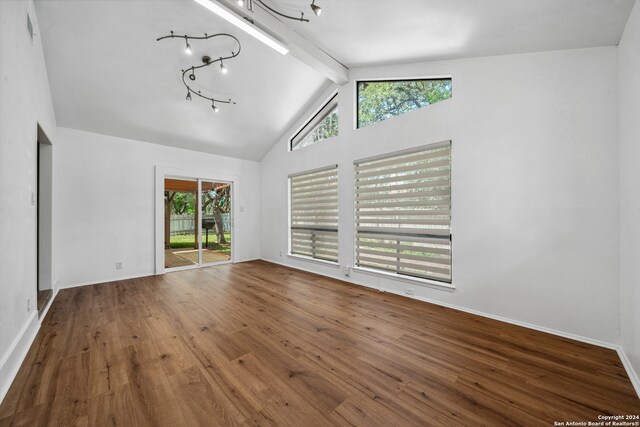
(192,76)
(214,107)
(316,9)
(187,49)
(223,69)
(188,96)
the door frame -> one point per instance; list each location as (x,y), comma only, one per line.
(163,172)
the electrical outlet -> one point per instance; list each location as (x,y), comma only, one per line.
(118,265)
(280,254)
(28,305)
(347,271)
(409,291)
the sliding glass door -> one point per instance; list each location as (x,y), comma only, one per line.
(197,223)
(216,222)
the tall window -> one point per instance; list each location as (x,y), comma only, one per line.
(323,125)
(314,214)
(403,212)
(380,100)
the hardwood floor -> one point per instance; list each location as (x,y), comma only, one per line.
(259,344)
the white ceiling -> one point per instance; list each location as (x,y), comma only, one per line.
(109,75)
(374,32)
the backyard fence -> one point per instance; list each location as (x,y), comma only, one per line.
(185,224)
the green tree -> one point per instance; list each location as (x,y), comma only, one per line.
(379,101)
(217,202)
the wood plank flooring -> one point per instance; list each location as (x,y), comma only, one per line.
(259,344)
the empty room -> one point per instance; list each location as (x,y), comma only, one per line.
(319,213)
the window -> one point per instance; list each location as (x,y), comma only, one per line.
(380,100)
(314,214)
(323,125)
(403,213)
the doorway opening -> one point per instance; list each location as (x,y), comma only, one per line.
(44,208)
(197,222)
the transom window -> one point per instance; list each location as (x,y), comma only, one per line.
(381,100)
(403,213)
(323,125)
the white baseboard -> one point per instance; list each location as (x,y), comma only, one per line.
(97,282)
(48,306)
(16,353)
(633,375)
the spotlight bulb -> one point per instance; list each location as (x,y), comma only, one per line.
(223,69)
(316,9)
(188,50)
(188,96)
(214,107)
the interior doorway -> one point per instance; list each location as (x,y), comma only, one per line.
(44,208)
(197,222)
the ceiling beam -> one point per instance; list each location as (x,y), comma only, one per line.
(300,47)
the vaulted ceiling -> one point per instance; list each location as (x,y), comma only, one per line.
(109,75)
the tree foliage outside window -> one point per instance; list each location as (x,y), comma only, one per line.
(380,100)
(323,125)
(327,128)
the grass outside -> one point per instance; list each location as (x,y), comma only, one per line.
(188,240)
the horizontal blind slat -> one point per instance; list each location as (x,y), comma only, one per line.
(409,158)
(381,180)
(403,213)
(314,214)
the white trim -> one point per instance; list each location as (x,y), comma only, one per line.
(631,373)
(166,171)
(315,260)
(331,99)
(14,356)
(443,286)
(467,310)
(99,282)
(180,268)
(46,308)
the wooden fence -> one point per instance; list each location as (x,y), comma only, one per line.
(185,224)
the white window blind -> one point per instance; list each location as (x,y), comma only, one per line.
(403,212)
(314,214)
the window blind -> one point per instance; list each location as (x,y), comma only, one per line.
(314,214)
(403,212)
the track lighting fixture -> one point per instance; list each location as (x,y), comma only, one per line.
(315,8)
(187,49)
(206,62)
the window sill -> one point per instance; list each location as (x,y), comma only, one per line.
(413,280)
(314,260)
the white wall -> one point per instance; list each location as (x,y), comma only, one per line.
(534,173)
(25,100)
(105,204)
(629,131)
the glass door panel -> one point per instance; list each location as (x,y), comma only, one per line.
(181,248)
(216,222)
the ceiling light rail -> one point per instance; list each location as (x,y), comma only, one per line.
(248,4)
(206,62)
